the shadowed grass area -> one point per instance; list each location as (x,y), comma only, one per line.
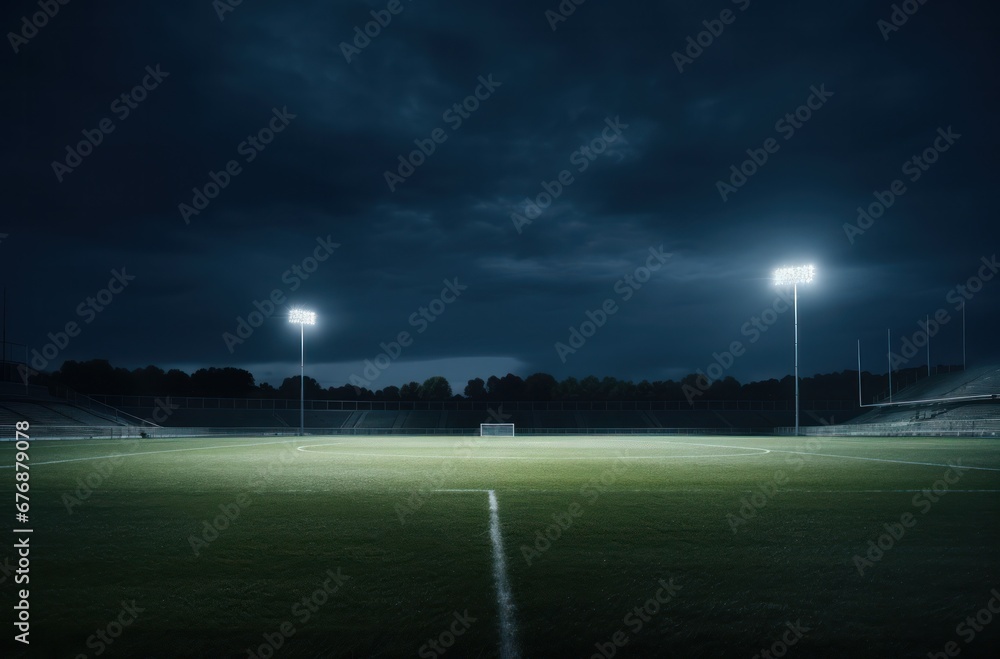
(218,542)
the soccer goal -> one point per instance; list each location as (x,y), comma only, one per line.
(496,429)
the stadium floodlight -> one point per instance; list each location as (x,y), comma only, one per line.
(301,317)
(801,274)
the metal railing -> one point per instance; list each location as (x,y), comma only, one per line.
(932,428)
(136,432)
(280,404)
(44,431)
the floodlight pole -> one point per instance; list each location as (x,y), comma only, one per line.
(795,306)
(888,343)
(927,330)
(302,318)
(860,404)
(302,381)
(795,276)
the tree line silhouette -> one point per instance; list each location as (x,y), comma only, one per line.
(98,376)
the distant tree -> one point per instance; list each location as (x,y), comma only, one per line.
(345,392)
(644,390)
(290,388)
(569,389)
(694,387)
(364,394)
(835,386)
(177,382)
(762,390)
(225,382)
(149,381)
(509,387)
(476,389)
(590,388)
(725,389)
(786,388)
(435,388)
(668,390)
(96,376)
(389,393)
(540,386)
(410,391)
(615,389)
(493,387)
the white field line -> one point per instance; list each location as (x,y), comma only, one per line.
(505,600)
(856,457)
(902,462)
(727,491)
(127,455)
(730,491)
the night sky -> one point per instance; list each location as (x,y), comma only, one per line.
(239,144)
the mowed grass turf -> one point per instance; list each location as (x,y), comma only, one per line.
(751,535)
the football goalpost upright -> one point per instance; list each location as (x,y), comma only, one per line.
(496,429)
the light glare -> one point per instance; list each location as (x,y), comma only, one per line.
(800,274)
(302,317)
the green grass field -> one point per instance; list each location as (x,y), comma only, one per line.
(391,541)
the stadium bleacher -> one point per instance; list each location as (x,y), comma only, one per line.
(908,404)
(86,417)
(50,414)
(380,419)
(964,402)
(554,419)
(9,418)
(313,418)
(422,419)
(978,381)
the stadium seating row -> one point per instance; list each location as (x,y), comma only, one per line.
(50,414)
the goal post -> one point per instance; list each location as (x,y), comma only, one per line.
(496,429)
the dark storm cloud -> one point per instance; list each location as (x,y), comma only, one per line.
(323,177)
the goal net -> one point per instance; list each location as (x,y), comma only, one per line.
(496,429)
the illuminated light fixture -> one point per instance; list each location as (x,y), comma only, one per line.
(302,317)
(801,274)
